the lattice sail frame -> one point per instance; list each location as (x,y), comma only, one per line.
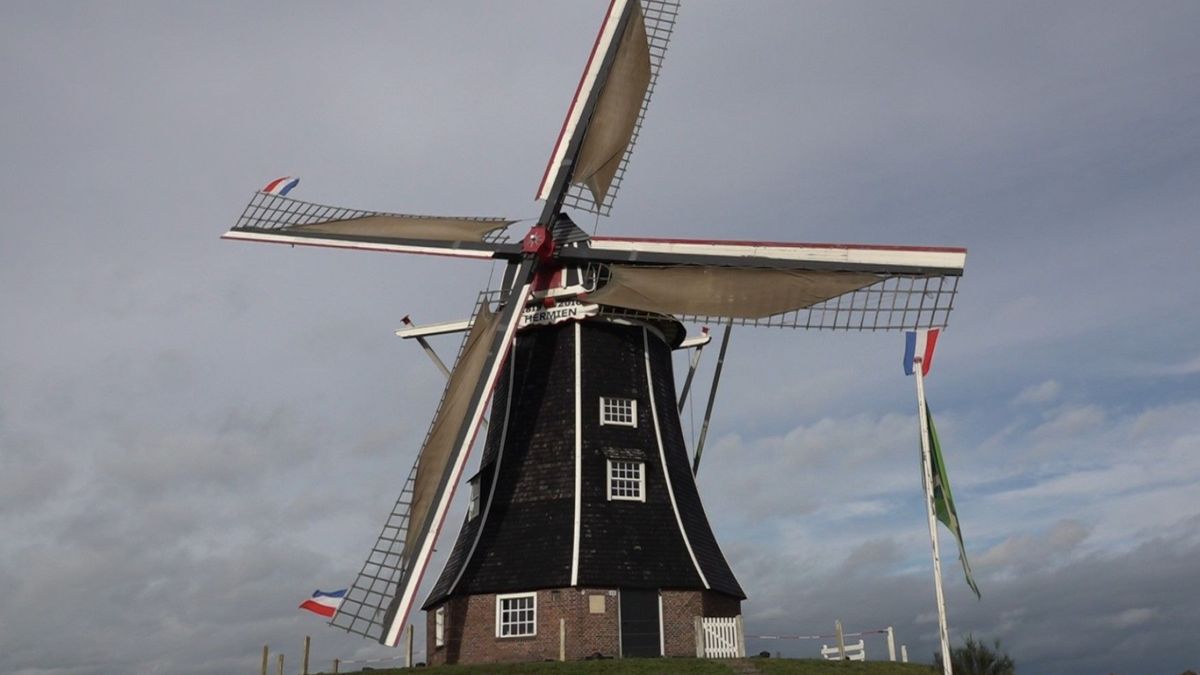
(366,601)
(894,303)
(659,17)
(269,212)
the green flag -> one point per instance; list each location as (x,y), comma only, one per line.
(943,499)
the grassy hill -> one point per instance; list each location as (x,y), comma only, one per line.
(673,666)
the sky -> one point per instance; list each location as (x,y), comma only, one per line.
(195,434)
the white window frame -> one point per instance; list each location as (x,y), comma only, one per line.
(500,614)
(439,627)
(641,481)
(614,400)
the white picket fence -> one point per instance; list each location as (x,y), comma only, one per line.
(854,652)
(720,637)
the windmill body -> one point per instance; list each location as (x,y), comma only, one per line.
(585,520)
(584,502)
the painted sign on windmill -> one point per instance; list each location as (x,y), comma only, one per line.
(570,310)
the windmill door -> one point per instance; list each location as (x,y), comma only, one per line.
(640,623)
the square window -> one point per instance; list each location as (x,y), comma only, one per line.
(516,615)
(618,411)
(626,480)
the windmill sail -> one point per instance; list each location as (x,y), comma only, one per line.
(277,219)
(822,286)
(439,444)
(444,454)
(742,293)
(589,158)
(616,113)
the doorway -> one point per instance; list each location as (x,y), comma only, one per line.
(640,623)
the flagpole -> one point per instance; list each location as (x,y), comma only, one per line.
(927,466)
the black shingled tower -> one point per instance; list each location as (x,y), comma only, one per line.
(521,537)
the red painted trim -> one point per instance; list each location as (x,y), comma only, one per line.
(783,244)
(575,100)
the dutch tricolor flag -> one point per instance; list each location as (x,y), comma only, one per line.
(325,604)
(918,348)
(281,186)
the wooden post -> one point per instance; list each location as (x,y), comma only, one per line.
(408,649)
(562,639)
(699,638)
(891,644)
(281,664)
(336,664)
(904,653)
(304,662)
(741,636)
(841,639)
(266,656)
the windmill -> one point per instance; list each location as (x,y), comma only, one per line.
(585,507)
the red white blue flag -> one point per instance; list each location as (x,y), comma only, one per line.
(323,603)
(918,348)
(281,186)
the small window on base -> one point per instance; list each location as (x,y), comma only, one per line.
(516,615)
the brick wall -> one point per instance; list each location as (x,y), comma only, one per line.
(471,626)
(680,608)
(471,629)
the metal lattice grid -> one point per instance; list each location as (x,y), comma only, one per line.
(895,302)
(659,17)
(363,608)
(365,604)
(274,212)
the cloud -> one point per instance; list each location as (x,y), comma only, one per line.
(1044,392)
(1188,367)
(1024,552)
(1069,422)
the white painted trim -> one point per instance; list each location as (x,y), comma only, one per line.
(662,638)
(512,364)
(663,456)
(641,481)
(632,411)
(509,596)
(435,329)
(358,245)
(697,341)
(595,61)
(859,255)
(439,626)
(473,498)
(620,633)
(578,458)
(421,561)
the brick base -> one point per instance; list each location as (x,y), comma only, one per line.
(591,626)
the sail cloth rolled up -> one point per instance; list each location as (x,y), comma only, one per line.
(400,226)
(434,463)
(740,293)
